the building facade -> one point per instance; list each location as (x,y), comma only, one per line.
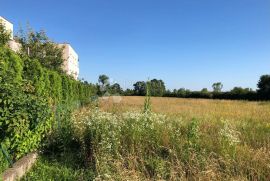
(15,46)
(8,26)
(71,60)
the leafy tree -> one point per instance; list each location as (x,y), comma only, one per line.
(181,92)
(157,87)
(264,87)
(174,92)
(104,84)
(217,87)
(103,79)
(204,91)
(37,45)
(140,88)
(4,35)
(116,89)
(240,90)
(168,93)
(241,93)
(129,92)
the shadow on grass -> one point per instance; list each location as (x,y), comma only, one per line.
(67,166)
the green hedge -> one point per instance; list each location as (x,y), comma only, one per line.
(29,97)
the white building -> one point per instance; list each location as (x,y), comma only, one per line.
(9,27)
(71,60)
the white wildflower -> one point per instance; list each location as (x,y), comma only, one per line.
(229,134)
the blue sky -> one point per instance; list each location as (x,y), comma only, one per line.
(187,43)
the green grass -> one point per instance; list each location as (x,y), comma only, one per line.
(61,167)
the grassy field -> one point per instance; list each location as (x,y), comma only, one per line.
(193,108)
(180,139)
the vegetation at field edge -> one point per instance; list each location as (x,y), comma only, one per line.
(143,145)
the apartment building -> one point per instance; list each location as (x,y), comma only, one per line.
(71,63)
(9,27)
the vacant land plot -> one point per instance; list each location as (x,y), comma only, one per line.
(193,108)
(218,139)
(180,139)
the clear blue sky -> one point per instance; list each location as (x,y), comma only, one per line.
(187,43)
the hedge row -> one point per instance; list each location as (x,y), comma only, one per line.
(251,95)
(29,97)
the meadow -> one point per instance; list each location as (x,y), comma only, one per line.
(206,109)
(178,139)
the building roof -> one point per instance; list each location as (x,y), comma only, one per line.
(1,17)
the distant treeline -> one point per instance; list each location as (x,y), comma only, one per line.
(158,89)
(235,93)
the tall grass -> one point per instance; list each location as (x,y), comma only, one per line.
(147,146)
(204,140)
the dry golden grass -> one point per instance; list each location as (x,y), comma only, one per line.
(194,108)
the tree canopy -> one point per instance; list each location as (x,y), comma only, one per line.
(217,87)
(264,86)
(37,45)
(103,79)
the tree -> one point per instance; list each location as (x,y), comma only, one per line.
(205,93)
(264,87)
(157,87)
(168,93)
(217,87)
(240,90)
(4,35)
(129,92)
(140,88)
(116,89)
(103,79)
(104,84)
(181,92)
(37,45)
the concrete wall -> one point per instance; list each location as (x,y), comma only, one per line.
(20,168)
(15,46)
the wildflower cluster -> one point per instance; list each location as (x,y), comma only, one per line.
(151,144)
(229,134)
(107,134)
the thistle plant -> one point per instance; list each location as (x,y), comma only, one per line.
(193,133)
(147,101)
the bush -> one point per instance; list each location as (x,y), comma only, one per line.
(24,117)
(29,97)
